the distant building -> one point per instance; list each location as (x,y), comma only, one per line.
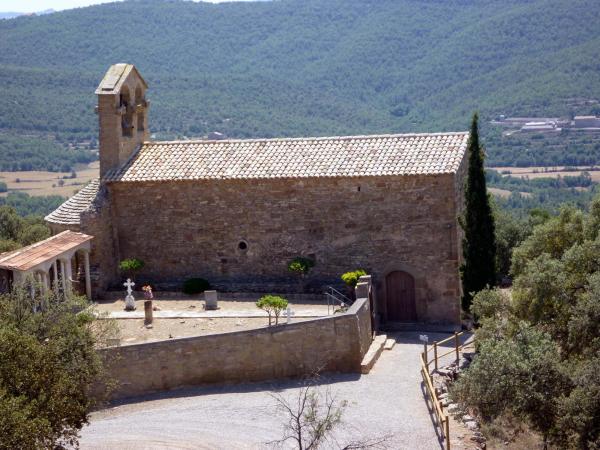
(545,126)
(586,122)
(216,136)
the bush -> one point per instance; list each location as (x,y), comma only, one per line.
(48,365)
(273,305)
(3,186)
(193,286)
(130,266)
(301,265)
(351,278)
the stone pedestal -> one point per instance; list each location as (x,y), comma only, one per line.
(210,300)
(129,303)
(148,318)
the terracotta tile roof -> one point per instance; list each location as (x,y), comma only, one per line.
(402,154)
(28,257)
(69,212)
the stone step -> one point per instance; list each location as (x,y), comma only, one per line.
(389,344)
(372,354)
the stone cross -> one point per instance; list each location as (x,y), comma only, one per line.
(289,313)
(129,300)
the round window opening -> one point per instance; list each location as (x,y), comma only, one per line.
(243,245)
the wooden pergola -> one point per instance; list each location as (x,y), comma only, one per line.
(49,262)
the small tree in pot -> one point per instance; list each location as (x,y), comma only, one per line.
(131,266)
(351,280)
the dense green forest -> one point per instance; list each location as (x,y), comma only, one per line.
(308,67)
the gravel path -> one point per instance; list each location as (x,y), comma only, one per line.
(387,401)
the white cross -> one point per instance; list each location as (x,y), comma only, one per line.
(289,313)
(129,284)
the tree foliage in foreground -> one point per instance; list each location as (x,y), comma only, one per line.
(48,364)
(539,348)
(17,231)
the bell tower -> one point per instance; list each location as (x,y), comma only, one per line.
(122,114)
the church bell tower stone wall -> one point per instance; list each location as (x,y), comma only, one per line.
(122,115)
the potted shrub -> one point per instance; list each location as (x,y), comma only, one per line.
(301,266)
(193,286)
(351,279)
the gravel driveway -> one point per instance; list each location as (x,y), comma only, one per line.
(387,401)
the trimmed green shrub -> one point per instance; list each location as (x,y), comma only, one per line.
(351,278)
(193,286)
(273,305)
(131,266)
(301,265)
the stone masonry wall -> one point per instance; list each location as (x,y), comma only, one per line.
(194,228)
(332,344)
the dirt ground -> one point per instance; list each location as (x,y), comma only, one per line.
(197,305)
(538,172)
(37,183)
(505,193)
(133,331)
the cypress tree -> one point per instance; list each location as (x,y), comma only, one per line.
(479,243)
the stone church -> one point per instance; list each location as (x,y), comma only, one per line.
(235,212)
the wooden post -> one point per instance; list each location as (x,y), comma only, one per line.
(148,312)
(435,355)
(457,345)
(447,433)
(425,354)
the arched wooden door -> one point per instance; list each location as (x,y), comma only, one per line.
(400,297)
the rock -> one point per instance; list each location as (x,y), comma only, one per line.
(149,326)
(182,321)
(453,408)
(467,418)
(443,396)
(472,425)
(469,356)
(478,439)
(155,308)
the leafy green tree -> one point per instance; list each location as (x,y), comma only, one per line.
(48,363)
(520,374)
(479,244)
(273,305)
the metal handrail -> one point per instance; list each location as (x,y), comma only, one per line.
(337,297)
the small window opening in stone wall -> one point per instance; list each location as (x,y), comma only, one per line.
(140,122)
(127,117)
(243,246)
(358,189)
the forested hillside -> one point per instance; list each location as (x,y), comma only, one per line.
(304,67)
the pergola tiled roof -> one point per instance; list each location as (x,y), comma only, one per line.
(353,156)
(49,249)
(70,211)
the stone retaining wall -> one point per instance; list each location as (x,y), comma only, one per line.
(333,344)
